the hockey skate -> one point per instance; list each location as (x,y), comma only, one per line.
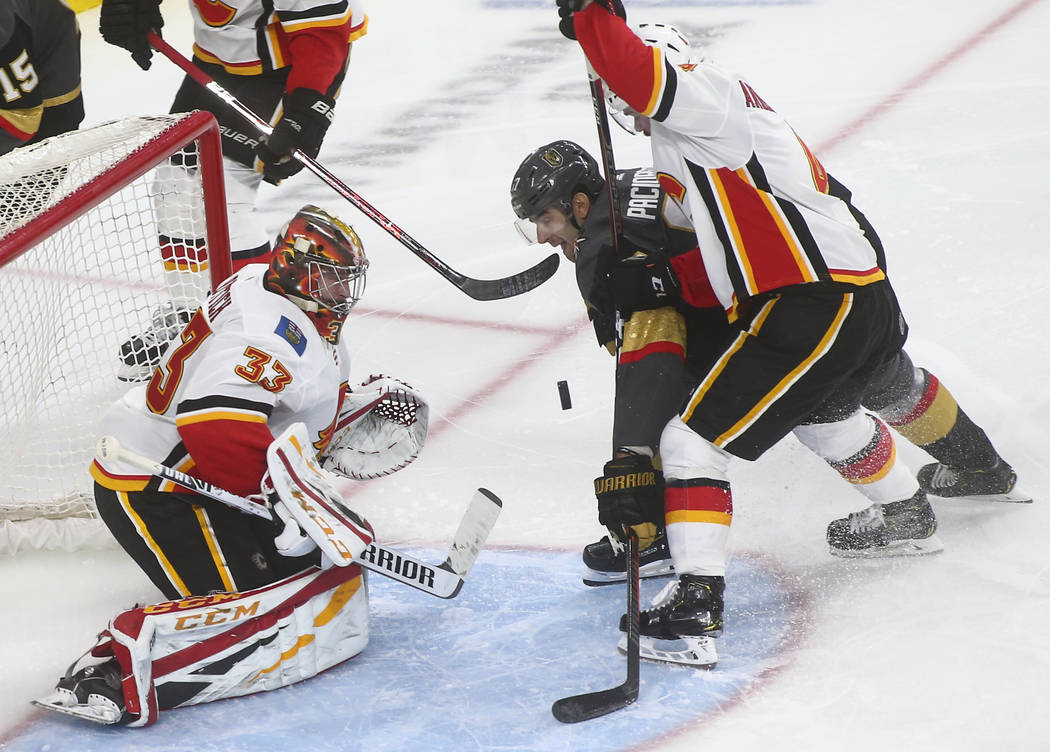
(683,622)
(901,528)
(142,353)
(606,561)
(92,693)
(996,483)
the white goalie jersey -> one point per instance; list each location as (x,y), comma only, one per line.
(247,366)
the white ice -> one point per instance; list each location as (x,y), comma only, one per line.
(933,113)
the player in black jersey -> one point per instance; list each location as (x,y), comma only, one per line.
(667,344)
(39,71)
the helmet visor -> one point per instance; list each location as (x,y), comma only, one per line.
(527,230)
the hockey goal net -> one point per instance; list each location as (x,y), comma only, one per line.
(103,232)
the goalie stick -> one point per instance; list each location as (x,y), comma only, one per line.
(594,704)
(479,289)
(443,580)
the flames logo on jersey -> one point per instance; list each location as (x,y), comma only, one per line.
(215,13)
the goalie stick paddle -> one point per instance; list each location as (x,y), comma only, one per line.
(444,580)
(479,289)
(594,704)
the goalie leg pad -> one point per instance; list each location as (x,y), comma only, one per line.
(205,648)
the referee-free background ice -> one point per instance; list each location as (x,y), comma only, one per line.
(934,113)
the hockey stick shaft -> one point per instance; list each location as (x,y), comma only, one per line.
(596,704)
(601,121)
(443,581)
(479,289)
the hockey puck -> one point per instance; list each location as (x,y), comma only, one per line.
(563,392)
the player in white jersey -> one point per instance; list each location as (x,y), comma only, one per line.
(664,348)
(244,598)
(801,277)
(286,61)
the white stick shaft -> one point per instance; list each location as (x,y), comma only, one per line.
(442,581)
(109,447)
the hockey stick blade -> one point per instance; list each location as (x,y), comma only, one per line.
(473,531)
(508,287)
(446,579)
(479,289)
(589,705)
(594,704)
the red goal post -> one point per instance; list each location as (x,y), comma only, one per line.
(101,230)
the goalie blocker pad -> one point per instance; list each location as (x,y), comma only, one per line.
(205,648)
(305,495)
(381,428)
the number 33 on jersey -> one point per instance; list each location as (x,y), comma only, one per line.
(248,365)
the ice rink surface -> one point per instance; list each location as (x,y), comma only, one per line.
(934,114)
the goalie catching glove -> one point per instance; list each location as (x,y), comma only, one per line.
(631,494)
(381,428)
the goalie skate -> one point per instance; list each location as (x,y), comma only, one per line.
(93,694)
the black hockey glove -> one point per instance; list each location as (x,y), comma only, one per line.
(307,115)
(642,282)
(631,494)
(124,23)
(566,9)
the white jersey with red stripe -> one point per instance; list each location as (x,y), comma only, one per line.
(766,213)
(248,37)
(249,357)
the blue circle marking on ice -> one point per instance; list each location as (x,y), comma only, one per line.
(478,672)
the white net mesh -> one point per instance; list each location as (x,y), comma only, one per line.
(88,309)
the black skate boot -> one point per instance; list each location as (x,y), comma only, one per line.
(683,622)
(995,483)
(142,353)
(607,563)
(93,693)
(900,528)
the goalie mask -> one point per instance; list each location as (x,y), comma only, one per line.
(551,176)
(319,264)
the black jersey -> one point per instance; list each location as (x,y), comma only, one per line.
(39,71)
(660,352)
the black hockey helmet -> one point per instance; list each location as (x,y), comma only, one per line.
(551,175)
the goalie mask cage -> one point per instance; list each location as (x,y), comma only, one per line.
(101,231)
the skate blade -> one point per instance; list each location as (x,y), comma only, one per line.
(661,568)
(922,547)
(103,714)
(1010,497)
(698,652)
